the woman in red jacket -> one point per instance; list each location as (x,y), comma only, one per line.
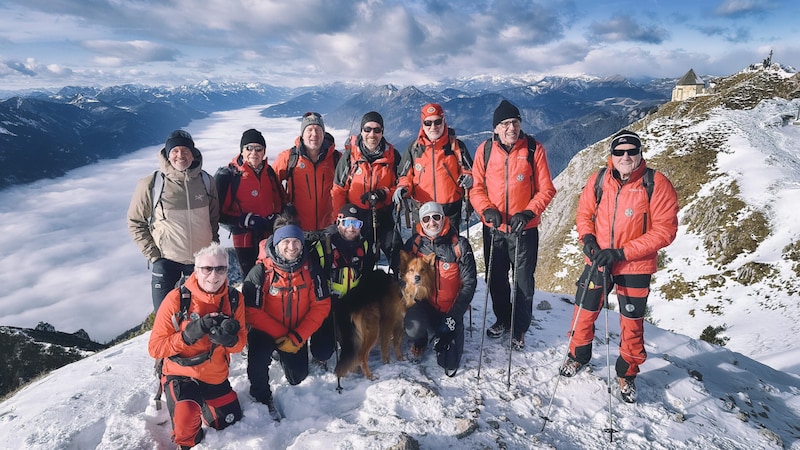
(195,345)
(622,232)
(287,297)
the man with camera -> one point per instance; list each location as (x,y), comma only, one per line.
(195,330)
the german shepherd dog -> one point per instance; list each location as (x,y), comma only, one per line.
(373,309)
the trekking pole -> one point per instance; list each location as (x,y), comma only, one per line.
(339,387)
(514,268)
(579,305)
(610,430)
(486,299)
(397,236)
(466,219)
(375,233)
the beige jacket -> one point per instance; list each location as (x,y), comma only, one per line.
(186,217)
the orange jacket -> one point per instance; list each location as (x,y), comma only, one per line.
(456,275)
(626,219)
(309,188)
(165,341)
(430,170)
(356,175)
(256,193)
(509,184)
(280,298)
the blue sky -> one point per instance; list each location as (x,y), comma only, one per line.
(50,43)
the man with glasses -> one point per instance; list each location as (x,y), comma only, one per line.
(250,197)
(441,316)
(436,166)
(196,330)
(367,177)
(174,212)
(345,255)
(622,231)
(307,171)
(512,189)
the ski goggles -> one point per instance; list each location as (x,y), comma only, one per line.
(435,217)
(348,222)
(206,270)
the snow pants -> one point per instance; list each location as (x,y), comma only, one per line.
(632,292)
(192,402)
(422,320)
(260,346)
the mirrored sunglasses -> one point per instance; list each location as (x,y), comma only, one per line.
(355,223)
(631,152)
(206,270)
(377,130)
(254,148)
(435,217)
(436,122)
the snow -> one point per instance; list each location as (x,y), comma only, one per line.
(68,260)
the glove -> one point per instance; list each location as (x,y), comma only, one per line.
(291,343)
(256,222)
(492,216)
(373,197)
(226,333)
(399,194)
(607,256)
(465,181)
(590,247)
(520,219)
(197,329)
(445,334)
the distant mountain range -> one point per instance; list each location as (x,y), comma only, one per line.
(44,134)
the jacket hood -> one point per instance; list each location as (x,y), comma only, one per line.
(171,172)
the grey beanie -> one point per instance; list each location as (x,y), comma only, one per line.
(311,118)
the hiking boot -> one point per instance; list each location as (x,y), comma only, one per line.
(497,330)
(627,389)
(270,402)
(571,367)
(415,354)
(321,366)
(518,344)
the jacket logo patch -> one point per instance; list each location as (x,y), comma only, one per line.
(301,164)
(629,212)
(254,193)
(194,316)
(199,197)
(418,167)
(520,177)
(273,290)
(359,171)
(446,266)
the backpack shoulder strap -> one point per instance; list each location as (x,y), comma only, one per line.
(155,192)
(233,299)
(598,185)
(273,178)
(294,156)
(206,181)
(457,247)
(648,181)
(487,150)
(531,148)
(183,312)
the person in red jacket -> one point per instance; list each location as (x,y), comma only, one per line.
(307,171)
(250,197)
(621,235)
(196,346)
(287,297)
(366,176)
(455,276)
(511,191)
(436,166)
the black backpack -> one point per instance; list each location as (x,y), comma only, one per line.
(487,150)
(648,181)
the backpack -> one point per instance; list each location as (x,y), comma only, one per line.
(487,150)
(158,188)
(230,177)
(648,181)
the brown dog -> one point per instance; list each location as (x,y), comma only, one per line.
(373,309)
(418,275)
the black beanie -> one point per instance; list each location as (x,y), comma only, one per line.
(252,136)
(372,116)
(505,110)
(626,137)
(179,138)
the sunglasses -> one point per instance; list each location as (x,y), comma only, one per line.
(254,148)
(377,130)
(355,223)
(436,122)
(630,152)
(208,269)
(435,217)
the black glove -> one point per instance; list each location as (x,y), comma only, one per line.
(226,333)
(492,216)
(520,219)
(373,197)
(256,222)
(445,334)
(590,247)
(607,256)
(197,329)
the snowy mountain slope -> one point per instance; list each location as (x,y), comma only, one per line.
(733,158)
(692,395)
